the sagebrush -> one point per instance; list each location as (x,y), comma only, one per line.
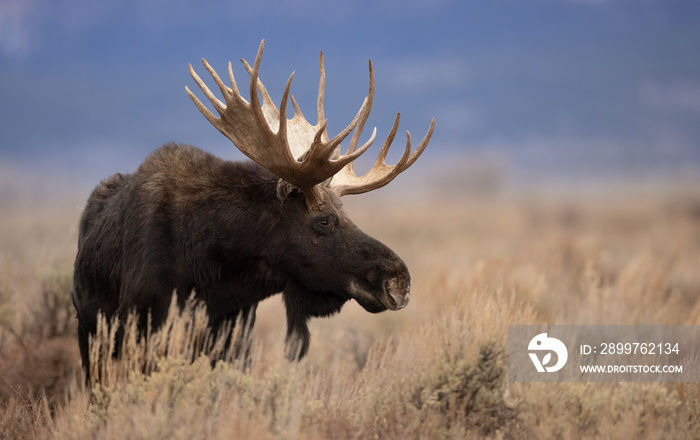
(434,370)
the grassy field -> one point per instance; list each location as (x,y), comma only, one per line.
(436,369)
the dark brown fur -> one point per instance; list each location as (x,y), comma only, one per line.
(188,221)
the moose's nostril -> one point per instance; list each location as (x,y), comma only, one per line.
(397,294)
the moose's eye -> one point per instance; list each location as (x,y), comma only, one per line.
(324,224)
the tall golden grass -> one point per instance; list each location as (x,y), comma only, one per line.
(437,369)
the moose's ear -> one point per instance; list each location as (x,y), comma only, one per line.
(284,189)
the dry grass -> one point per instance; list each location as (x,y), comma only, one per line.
(434,370)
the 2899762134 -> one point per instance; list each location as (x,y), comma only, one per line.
(649,348)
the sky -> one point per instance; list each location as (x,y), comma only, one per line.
(567,87)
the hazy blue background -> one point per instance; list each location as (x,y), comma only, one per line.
(546,87)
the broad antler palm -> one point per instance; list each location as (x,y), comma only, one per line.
(293,149)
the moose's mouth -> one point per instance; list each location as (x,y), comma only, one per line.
(394,295)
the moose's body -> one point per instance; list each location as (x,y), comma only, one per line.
(236,233)
(169,227)
(188,221)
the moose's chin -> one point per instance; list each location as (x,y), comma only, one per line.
(372,306)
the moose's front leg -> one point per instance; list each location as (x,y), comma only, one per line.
(300,305)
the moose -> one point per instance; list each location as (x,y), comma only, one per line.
(235,233)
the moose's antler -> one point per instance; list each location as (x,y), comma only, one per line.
(293,149)
(347,182)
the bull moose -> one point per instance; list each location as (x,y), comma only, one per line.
(236,233)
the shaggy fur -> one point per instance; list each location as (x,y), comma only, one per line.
(229,231)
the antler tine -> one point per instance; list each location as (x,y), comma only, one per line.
(225,91)
(422,146)
(234,87)
(357,125)
(297,110)
(361,124)
(254,100)
(201,107)
(321,91)
(381,157)
(267,101)
(218,105)
(282,132)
